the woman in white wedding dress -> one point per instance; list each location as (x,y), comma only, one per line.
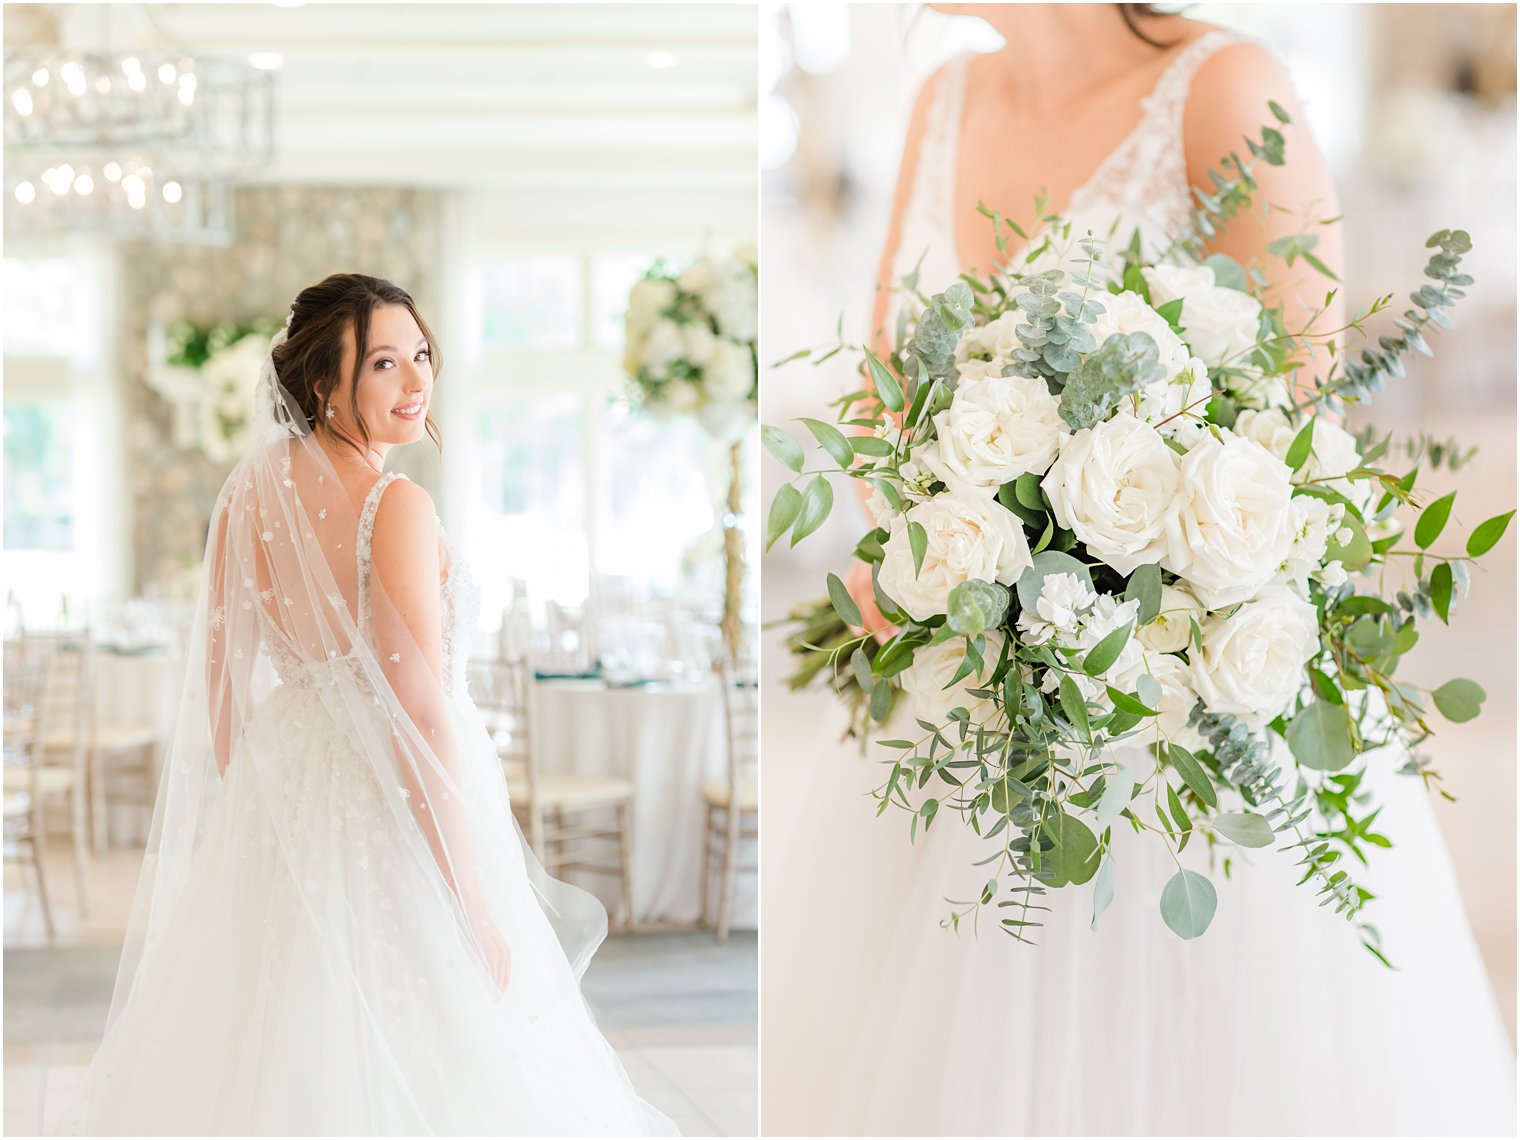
(1276,1021)
(339,930)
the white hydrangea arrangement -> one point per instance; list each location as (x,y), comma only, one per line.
(690,347)
(1105,516)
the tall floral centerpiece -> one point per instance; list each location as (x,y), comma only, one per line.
(1133,572)
(691,351)
(208,374)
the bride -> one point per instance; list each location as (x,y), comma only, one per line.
(339,930)
(1276,1021)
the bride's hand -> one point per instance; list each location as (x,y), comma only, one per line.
(858,583)
(494,949)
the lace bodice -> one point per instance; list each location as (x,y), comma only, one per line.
(1143,181)
(460,595)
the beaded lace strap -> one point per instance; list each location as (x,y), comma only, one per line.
(363,539)
(1167,102)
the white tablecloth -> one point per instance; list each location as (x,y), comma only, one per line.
(667,741)
(138,690)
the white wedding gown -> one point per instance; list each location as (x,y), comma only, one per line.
(306,974)
(1274,1022)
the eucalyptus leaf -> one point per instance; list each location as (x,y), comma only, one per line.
(1193,774)
(975,606)
(1188,902)
(1245,828)
(1459,700)
(1103,890)
(1320,737)
(1145,587)
(1117,793)
(1074,857)
(888,390)
(1107,651)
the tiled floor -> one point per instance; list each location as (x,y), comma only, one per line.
(679,1010)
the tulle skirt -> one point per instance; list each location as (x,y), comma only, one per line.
(312,978)
(1274,1022)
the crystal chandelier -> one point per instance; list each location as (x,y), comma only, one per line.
(132,145)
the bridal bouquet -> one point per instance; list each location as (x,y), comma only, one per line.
(1106,518)
(691,342)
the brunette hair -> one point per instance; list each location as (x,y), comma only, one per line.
(309,360)
(1131,14)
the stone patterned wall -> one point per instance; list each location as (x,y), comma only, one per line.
(288,237)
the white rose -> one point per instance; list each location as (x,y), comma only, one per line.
(1332,451)
(1162,404)
(1177,698)
(1128,313)
(1113,486)
(970,535)
(649,297)
(996,430)
(1219,324)
(926,680)
(730,378)
(986,350)
(662,348)
(1230,527)
(1252,664)
(1172,628)
(1251,388)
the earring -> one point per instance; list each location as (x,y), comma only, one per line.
(331,411)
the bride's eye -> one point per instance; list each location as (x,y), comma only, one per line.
(384,362)
(425,354)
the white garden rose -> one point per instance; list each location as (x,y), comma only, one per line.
(1252,664)
(1219,324)
(1230,527)
(970,535)
(996,430)
(1162,404)
(1332,453)
(649,297)
(985,350)
(1177,700)
(731,376)
(926,680)
(1128,313)
(1113,485)
(1171,629)
(1251,388)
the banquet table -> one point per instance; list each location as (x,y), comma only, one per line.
(666,739)
(138,689)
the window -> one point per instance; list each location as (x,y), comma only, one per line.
(39,492)
(612,276)
(532,301)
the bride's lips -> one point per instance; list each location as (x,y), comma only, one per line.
(413,411)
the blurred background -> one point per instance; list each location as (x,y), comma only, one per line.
(174,175)
(1414,107)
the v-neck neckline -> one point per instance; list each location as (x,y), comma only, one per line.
(958,119)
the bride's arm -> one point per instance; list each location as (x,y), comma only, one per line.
(218,676)
(858,579)
(1227,104)
(408,630)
